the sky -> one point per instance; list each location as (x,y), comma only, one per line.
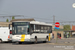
(40,10)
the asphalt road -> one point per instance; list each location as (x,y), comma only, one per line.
(39,46)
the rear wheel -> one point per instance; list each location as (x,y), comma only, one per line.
(47,39)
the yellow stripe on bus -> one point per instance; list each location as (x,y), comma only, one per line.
(22,37)
(49,37)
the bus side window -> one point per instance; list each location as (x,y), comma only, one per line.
(31,28)
(36,29)
(42,31)
(49,30)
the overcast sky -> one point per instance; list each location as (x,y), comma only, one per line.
(41,10)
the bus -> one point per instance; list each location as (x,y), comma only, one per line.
(30,31)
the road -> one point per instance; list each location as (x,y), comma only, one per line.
(39,46)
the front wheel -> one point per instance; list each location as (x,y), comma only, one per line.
(35,41)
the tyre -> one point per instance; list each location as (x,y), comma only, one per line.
(47,39)
(0,41)
(35,41)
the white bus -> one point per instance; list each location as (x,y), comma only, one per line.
(32,31)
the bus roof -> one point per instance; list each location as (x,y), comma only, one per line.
(36,22)
(40,23)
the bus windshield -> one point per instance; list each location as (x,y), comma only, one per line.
(21,28)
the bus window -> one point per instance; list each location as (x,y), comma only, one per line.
(42,29)
(49,30)
(37,29)
(45,29)
(32,28)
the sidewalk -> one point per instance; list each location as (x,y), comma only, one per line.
(69,44)
(64,41)
(69,38)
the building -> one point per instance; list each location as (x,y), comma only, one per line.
(55,31)
(70,32)
(73,31)
(4,24)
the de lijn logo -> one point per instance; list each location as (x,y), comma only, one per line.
(57,24)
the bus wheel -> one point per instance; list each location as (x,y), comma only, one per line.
(47,39)
(0,41)
(35,40)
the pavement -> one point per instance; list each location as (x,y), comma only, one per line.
(39,46)
(62,44)
(65,40)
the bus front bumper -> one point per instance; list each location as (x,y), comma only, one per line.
(19,40)
(26,40)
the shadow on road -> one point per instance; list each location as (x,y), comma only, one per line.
(23,43)
(27,43)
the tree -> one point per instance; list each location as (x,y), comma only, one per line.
(7,20)
(67,27)
(13,17)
